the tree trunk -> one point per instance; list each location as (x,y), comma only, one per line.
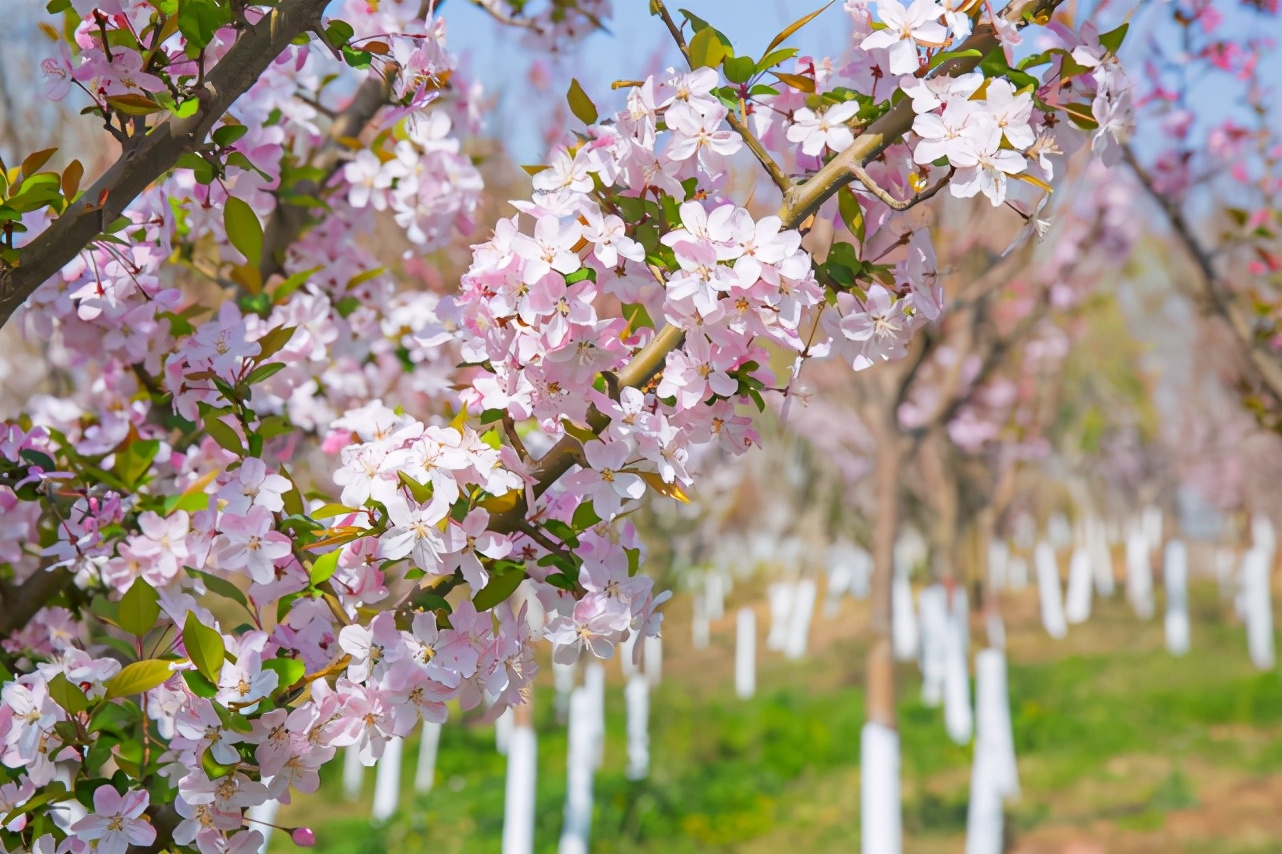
(881,657)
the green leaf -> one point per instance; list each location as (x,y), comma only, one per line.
(634,561)
(223,434)
(243,229)
(199,685)
(739,69)
(580,104)
(585,516)
(500,587)
(200,20)
(228,134)
(329,511)
(1113,38)
(139,608)
(852,214)
(324,566)
(290,670)
(137,678)
(422,494)
(562,581)
(263,372)
(706,49)
(271,343)
(339,33)
(67,695)
(220,586)
(204,646)
(133,105)
(134,461)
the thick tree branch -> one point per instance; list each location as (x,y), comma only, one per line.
(156,153)
(18,604)
(287,222)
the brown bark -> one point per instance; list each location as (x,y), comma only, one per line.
(880,701)
(150,157)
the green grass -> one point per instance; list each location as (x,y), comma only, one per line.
(1102,736)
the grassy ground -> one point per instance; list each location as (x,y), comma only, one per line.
(1121,749)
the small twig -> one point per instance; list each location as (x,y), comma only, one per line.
(890,201)
(509,427)
(782,181)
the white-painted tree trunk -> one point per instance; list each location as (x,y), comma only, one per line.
(594,683)
(425,770)
(699,628)
(563,677)
(880,820)
(803,612)
(653,659)
(1139,574)
(958,717)
(933,607)
(353,774)
(745,654)
(1257,603)
(993,726)
(904,636)
(1151,522)
(1263,535)
(577,824)
(503,732)
(387,780)
(998,565)
(1101,559)
(984,819)
(1077,608)
(714,588)
(1018,573)
(782,595)
(520,789)
(637,696)
(1176,576)
(1049,592)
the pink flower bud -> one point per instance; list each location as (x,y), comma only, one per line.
(303,837)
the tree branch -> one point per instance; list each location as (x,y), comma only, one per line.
(800,201)
(19,604)
(1263,367)
(156,153)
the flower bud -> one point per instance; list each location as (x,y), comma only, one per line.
(303,837)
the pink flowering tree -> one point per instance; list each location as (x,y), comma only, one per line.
(284,509)
(1216,174)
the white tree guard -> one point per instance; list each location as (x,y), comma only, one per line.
(994,734)
(428,745)
(984,820)
(503,725)
(1139,573)
(653,659)
(1018,573)
(1077,606)
(933,610)
(577,823)
(803,612)
(637,697)
(353,774)
(1263,535)
(781,595)
(998,565)
(958,717)
(904,635)
(1151,522)
(519,791)
(1049,593)
(880,819)
(387,780)
(745,654)
(1101,558)
(1176,577)
(1257,603)
(700,631)
(594,683)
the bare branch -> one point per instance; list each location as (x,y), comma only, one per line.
(890,201)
